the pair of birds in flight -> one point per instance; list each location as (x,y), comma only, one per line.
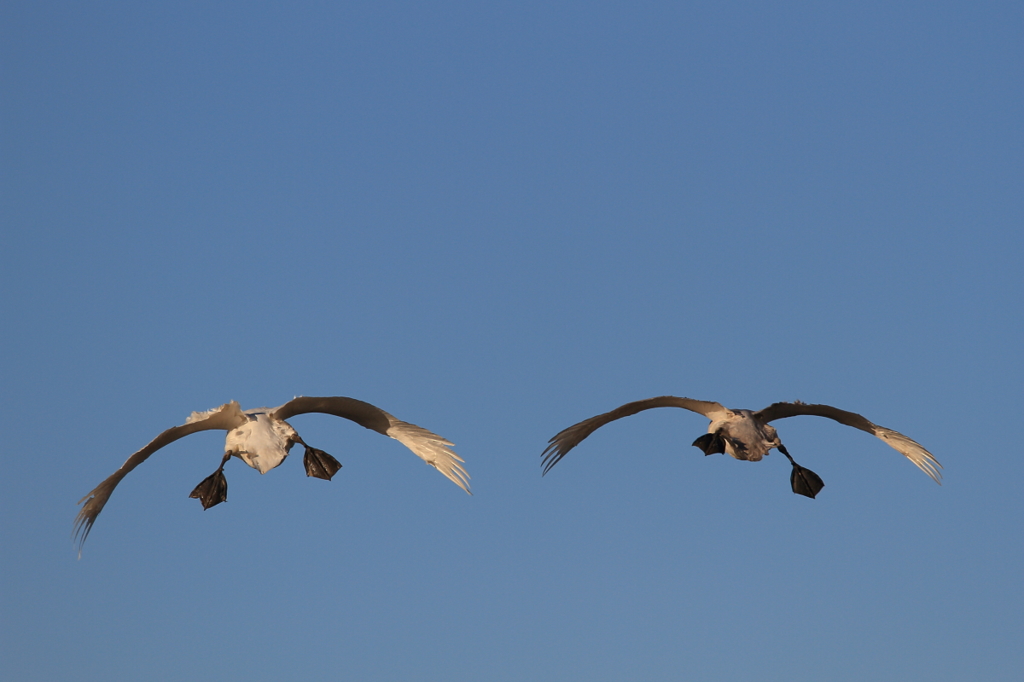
(262,438)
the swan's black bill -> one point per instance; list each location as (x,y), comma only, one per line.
(213,490)
(319,464)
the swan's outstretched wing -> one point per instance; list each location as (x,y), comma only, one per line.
(571,437)
(428,446)
(911,449)
(226,417)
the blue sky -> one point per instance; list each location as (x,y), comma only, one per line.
(495,220)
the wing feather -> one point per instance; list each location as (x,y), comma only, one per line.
(428,446)
(361,413)
(569,438)
(228,416)
(907,447)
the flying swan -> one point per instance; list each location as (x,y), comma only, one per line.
(262,438)
(746,435)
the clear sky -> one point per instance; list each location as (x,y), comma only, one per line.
(494,220)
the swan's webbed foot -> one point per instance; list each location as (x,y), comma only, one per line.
(711,444)
(213,490)
(804,481)
(319,464)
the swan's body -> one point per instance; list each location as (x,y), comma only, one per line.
(262,438)
(746,435)
(261,442)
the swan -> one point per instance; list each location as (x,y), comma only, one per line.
(262,438)
(746,435)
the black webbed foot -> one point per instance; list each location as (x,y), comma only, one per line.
(711,444)
(805,482)
(213,490)
(319,464)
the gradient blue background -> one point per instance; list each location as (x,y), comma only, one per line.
(495,220)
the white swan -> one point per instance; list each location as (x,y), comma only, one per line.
(746,435)
(261,438)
